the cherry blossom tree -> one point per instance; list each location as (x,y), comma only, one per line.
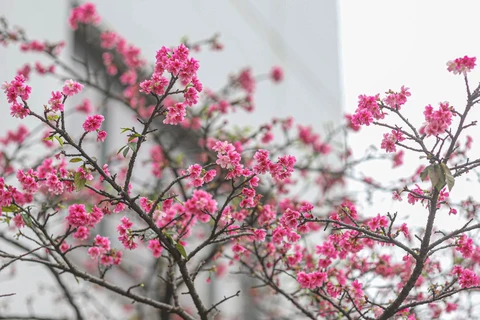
(195,199)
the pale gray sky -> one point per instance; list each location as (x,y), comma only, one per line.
(387,44)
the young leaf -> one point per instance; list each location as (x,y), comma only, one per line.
(125,129)
(27,219)
(10,208)
(79,181)
(73,160)
(149,234)
(424,173)
(133,146)
(125,151)
(133,136)
(448,176)
(59,139)
(169,237)
(181,249)
(120,150)
(436,175)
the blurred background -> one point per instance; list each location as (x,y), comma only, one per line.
(331,52)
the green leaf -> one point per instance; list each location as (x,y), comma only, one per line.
(48,138)
(436,175)
(133,146)
(424,173)
(125,130)
(133,136)
(149,234)
(53,117)
(120,150)
(10,208)
(181,249)
(27,219)
(169,237)
(448,176)
(73,160)
(79,181)
(59,139)
(125,152)
(433,174)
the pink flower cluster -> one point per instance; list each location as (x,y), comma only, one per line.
(156,84)
(71,88)
(156,247)
(201,205)
(465,246)
(260,235)
(311,280)
(398,158)
(280,170)
(126,236)
(56,101)
(108,39)
(93,123)
(107,58)
(357,289)
(329,251)
(396,100)
(350,124)
(378,222)
(130,54)
(412,197)
(146,204)
(17,88)
(229,158)
(308,137)
(42,70)
(246,80)
(85,13)
(81,219)
(436,122)
(238,249)
(390,139)
(250,197)
(198,177)
(290,219)
(178,63)
(28,180)
(266,215)
(466,277)
(158,160)
(85,106)
(101,250)
(6,193)
(18,220)
(276,74)
(17,136)
(175,114)
(461,65)
(33,45)
(367,110)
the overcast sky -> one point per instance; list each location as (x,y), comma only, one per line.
(387,44)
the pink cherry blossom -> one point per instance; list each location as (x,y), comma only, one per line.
(461,65)
(93,123)
(71,88)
